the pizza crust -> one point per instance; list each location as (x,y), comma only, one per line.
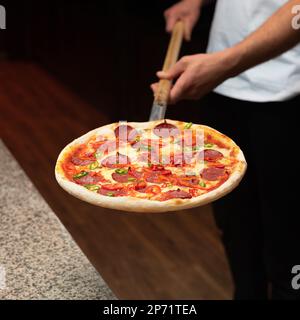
(133,204)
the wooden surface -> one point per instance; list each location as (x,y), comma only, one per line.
(167,256)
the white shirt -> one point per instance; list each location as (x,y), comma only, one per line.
(275,80)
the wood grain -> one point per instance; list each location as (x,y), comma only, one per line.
(141,256)
(164,85)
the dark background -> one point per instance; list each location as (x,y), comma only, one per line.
(107,51)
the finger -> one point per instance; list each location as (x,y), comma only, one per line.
(178,91)
(187,29)
(154,87)
(173,72)
(171,20)
(167,13)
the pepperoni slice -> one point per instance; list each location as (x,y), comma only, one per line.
(157,174)
(89,179)
(82,158)
(151,157)
(112,193)
(81,162)
(135,173)
(210,155)
(123,178)
(125,133)
(176,194)
(154,178)
(115,161)
(165,130)
(130,176)
(149,189)
(212,173)
(159,169)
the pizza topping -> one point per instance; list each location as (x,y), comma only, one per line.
(112,190)
(202,184)
(155,178)
(165,130)
(126,175)
(172,163)
(94,165)
(188,125)
(188,181)
(80,174)
(212,173)
(210,155)
(121,177)
(115,161)
(122,171)
(92,187)
(107,147)
(84,178)
(182,158)
(113,187)
(111,193)
(125,133)
(157,174)
(81,162)
(141,185)
(173,194)
(153,189)
(159,169)
(149,189)
(151,157)
(148,145)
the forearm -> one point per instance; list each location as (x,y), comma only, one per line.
(273,38)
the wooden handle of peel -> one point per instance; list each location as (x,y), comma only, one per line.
(164,86)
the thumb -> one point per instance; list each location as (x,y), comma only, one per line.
(173,72)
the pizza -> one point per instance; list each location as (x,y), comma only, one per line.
(156,166)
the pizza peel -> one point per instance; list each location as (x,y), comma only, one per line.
(161,96)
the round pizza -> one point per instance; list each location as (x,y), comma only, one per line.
(155,166)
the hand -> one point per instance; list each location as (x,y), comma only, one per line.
(198,74)
(186,10)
